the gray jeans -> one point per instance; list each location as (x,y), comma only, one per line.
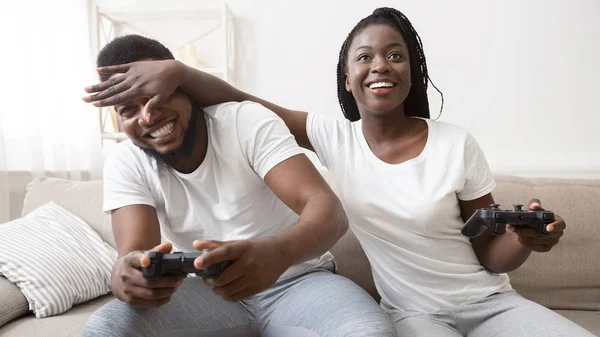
(500,315)
(315,304)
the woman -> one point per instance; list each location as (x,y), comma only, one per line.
(407,183)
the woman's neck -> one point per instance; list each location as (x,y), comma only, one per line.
(394,137)
(386,128)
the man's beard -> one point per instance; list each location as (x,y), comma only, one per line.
(187,146)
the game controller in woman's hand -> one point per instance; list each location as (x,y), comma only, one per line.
(497,219)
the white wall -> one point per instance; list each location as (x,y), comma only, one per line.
(520,75)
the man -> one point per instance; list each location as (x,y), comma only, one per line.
(230,178)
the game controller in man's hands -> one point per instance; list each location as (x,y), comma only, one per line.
(179,264)
(497,219)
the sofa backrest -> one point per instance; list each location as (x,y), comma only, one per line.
(82,198)
(567,277)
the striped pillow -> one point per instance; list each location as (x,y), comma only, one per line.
(56,259)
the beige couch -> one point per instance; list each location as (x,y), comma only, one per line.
(567,279)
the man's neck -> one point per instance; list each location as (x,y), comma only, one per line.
(190,163)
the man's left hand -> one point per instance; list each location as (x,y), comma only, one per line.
(256,264)
(535,241)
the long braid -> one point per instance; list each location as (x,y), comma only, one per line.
(345,98)
(417,103)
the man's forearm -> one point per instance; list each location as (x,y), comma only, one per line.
(321,224)
(505,253)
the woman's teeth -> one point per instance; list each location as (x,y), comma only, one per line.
(377,85)
(163,131)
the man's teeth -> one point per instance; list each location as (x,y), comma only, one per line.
(165,130)
(381,85)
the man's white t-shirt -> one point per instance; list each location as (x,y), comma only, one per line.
(225,198)
(407,216)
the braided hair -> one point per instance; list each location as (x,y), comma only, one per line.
(416,104)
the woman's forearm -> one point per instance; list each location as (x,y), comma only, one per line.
(208,89)
(505,253)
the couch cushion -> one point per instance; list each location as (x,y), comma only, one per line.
(69,324)
(82,198)
(12,302)
(352,263)
(567,277)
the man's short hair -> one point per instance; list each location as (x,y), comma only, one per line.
(131,48)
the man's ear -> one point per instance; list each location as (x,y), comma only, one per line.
(348,88)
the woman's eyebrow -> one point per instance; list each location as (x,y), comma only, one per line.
(393,44)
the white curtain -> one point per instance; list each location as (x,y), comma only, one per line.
(4,200)
(45,127)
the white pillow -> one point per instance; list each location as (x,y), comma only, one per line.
(56,259)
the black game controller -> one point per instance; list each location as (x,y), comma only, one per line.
(180,264)
(496,220)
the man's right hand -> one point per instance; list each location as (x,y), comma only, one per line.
(130,286)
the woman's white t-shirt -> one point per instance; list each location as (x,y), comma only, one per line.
(407,216)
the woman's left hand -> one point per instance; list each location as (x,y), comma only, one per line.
(154,79)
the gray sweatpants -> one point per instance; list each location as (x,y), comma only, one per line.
(316,304)
(501,315)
